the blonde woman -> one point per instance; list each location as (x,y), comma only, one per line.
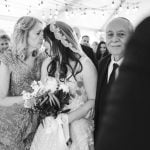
(19,66)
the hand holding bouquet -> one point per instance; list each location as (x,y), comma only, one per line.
(48,99)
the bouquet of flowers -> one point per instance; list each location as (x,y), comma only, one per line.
(48,99)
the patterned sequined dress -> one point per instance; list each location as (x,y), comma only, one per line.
(17,124)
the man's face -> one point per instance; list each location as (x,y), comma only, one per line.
(117,34)
(4,44)
(85,41)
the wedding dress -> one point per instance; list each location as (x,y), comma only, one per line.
(54,134)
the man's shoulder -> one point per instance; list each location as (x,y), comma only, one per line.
(84,47)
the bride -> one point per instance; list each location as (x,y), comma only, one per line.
(67,63)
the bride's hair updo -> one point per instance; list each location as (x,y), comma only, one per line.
(20,35)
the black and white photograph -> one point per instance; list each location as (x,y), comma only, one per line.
(74,74)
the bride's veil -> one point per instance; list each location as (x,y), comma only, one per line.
(66,35)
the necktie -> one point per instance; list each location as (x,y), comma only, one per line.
(112,75)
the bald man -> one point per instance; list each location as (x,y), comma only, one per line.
(118,32)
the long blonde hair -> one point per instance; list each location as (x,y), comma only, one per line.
(20,35)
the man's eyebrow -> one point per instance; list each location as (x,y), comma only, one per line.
(109,31)
(117,31)
(121,31)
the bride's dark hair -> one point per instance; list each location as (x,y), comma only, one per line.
(59,50)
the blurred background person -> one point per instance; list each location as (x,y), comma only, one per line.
(85,40)
(125,124)
(101,51)
(4,42)
(77,32)
(2,32)
(94,46)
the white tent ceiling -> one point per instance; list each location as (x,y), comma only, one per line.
(91,15)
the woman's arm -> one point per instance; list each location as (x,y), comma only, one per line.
(4,87)
(90,83)
(80,112)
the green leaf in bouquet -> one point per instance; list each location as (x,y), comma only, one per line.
(56,100)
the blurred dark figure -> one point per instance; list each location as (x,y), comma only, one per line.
(101,51)
(94,46)
(125,124)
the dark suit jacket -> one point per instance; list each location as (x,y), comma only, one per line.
(89,52)
(101,92)
(117,126)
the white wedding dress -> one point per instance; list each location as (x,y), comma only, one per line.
(54,133)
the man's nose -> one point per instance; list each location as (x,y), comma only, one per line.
(5,47)
(115,38)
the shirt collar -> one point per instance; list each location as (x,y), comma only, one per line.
(117,62)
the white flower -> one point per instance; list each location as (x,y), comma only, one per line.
(30,103)
(64,87)
(28,99)
(38,88)
(51,84)
(41,85)
(34,85)
(26,95)
(27,104)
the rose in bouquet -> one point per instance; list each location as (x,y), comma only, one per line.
(48,99)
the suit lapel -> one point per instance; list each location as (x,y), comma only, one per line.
(103,70)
